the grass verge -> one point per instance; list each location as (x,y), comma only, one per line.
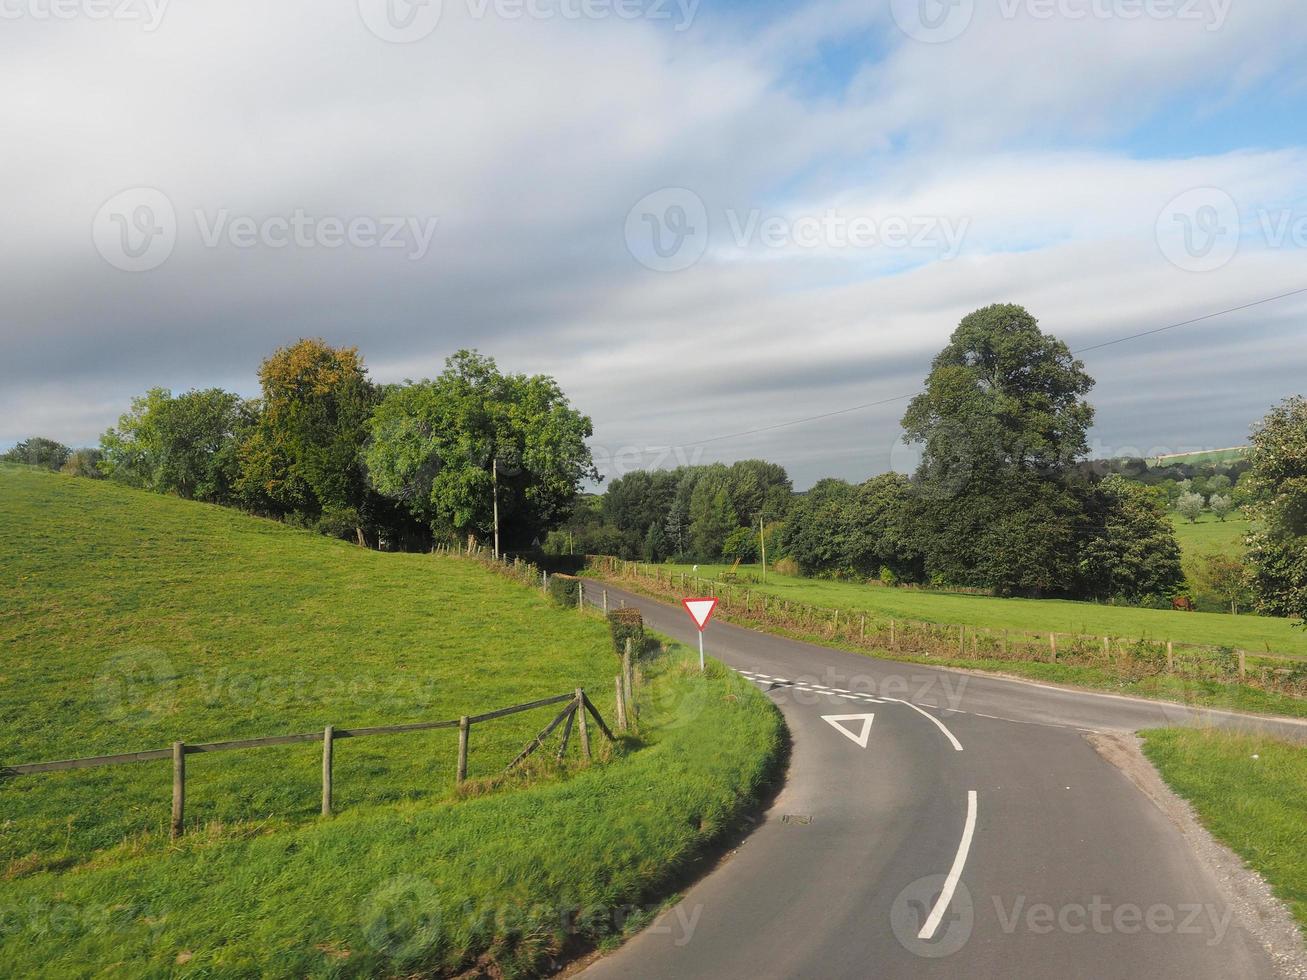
(1250,792)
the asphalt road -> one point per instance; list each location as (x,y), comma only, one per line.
(951,825)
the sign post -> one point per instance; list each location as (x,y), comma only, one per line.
(700,611)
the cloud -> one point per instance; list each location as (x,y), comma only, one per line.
(528,141)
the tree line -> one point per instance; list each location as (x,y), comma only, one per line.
(325,447)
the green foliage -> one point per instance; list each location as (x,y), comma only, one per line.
(565,589)
(186,444)
(712,517)
(1002,420)
(303,453)
(1220,505)
(741,544)
(38,451)
(1134,556)
(627,624)
(1277,551)
(436,444)
(839,530)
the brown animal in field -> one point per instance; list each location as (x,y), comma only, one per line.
(1182,602)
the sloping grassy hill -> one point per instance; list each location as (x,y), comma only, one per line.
(1208,535)
(129,620)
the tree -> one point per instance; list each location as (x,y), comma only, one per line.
(1221,505)
(39,451)
(304,454)
(1189,506)
(1219,483)
(186,445)
(435,443)
(1277,552)
(815,532)
(742,545)
(1002,421)
(1224,577)
(712,518)
(1133,553)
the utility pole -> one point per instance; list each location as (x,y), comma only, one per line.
(494,483)
(762,543)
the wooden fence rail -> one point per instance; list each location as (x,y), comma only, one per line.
(576,702)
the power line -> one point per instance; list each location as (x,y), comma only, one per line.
(899,398)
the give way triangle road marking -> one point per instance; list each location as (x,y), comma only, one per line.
(838,722)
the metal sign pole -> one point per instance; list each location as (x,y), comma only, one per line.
(701,651)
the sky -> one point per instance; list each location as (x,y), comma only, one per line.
(705,219)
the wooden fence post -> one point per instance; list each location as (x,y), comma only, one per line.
(605,602)
(327,749)
(621,703)
(628,671)
(1107,647)
(1243,665)
(1170,657)
(1052,647)
(581,724)
(178,788)
(962,641)
(464,727)
(862,628)
(580,595)
(1006,643)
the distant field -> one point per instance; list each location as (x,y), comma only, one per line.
(1204,456)
(1251,633)
(128,620)
(1210,535)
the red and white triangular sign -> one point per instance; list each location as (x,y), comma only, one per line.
(838,722)
(700,610)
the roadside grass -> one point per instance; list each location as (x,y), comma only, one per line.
(1204,693)
(507,883)
(1251,792)
(1251,633)
(1209,535)
(129,620)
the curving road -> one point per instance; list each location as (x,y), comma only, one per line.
(936,823)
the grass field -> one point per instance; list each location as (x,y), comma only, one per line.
(1250,792)
(1208,535)
(1202,456)
(129,620)
(1252,633)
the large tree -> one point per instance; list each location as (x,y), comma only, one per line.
(39,451)
(304,454)
(436,445)
(1131,552)
(1002,421)
(1277,552)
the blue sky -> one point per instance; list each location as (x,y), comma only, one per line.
(776,211)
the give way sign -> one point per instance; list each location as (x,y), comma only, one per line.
(700,610)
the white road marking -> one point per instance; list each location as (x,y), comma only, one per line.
(955,872)
(835,721)
(947,734)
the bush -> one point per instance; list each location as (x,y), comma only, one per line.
(887,576)
(564,589)
(627,624)
(786,566)
(83,463)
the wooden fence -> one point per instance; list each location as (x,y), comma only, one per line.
(576,706)
(1129,658)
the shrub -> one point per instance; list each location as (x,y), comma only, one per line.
(564,589)
(627,624)
(83,463)
(887,576)
(786,566)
